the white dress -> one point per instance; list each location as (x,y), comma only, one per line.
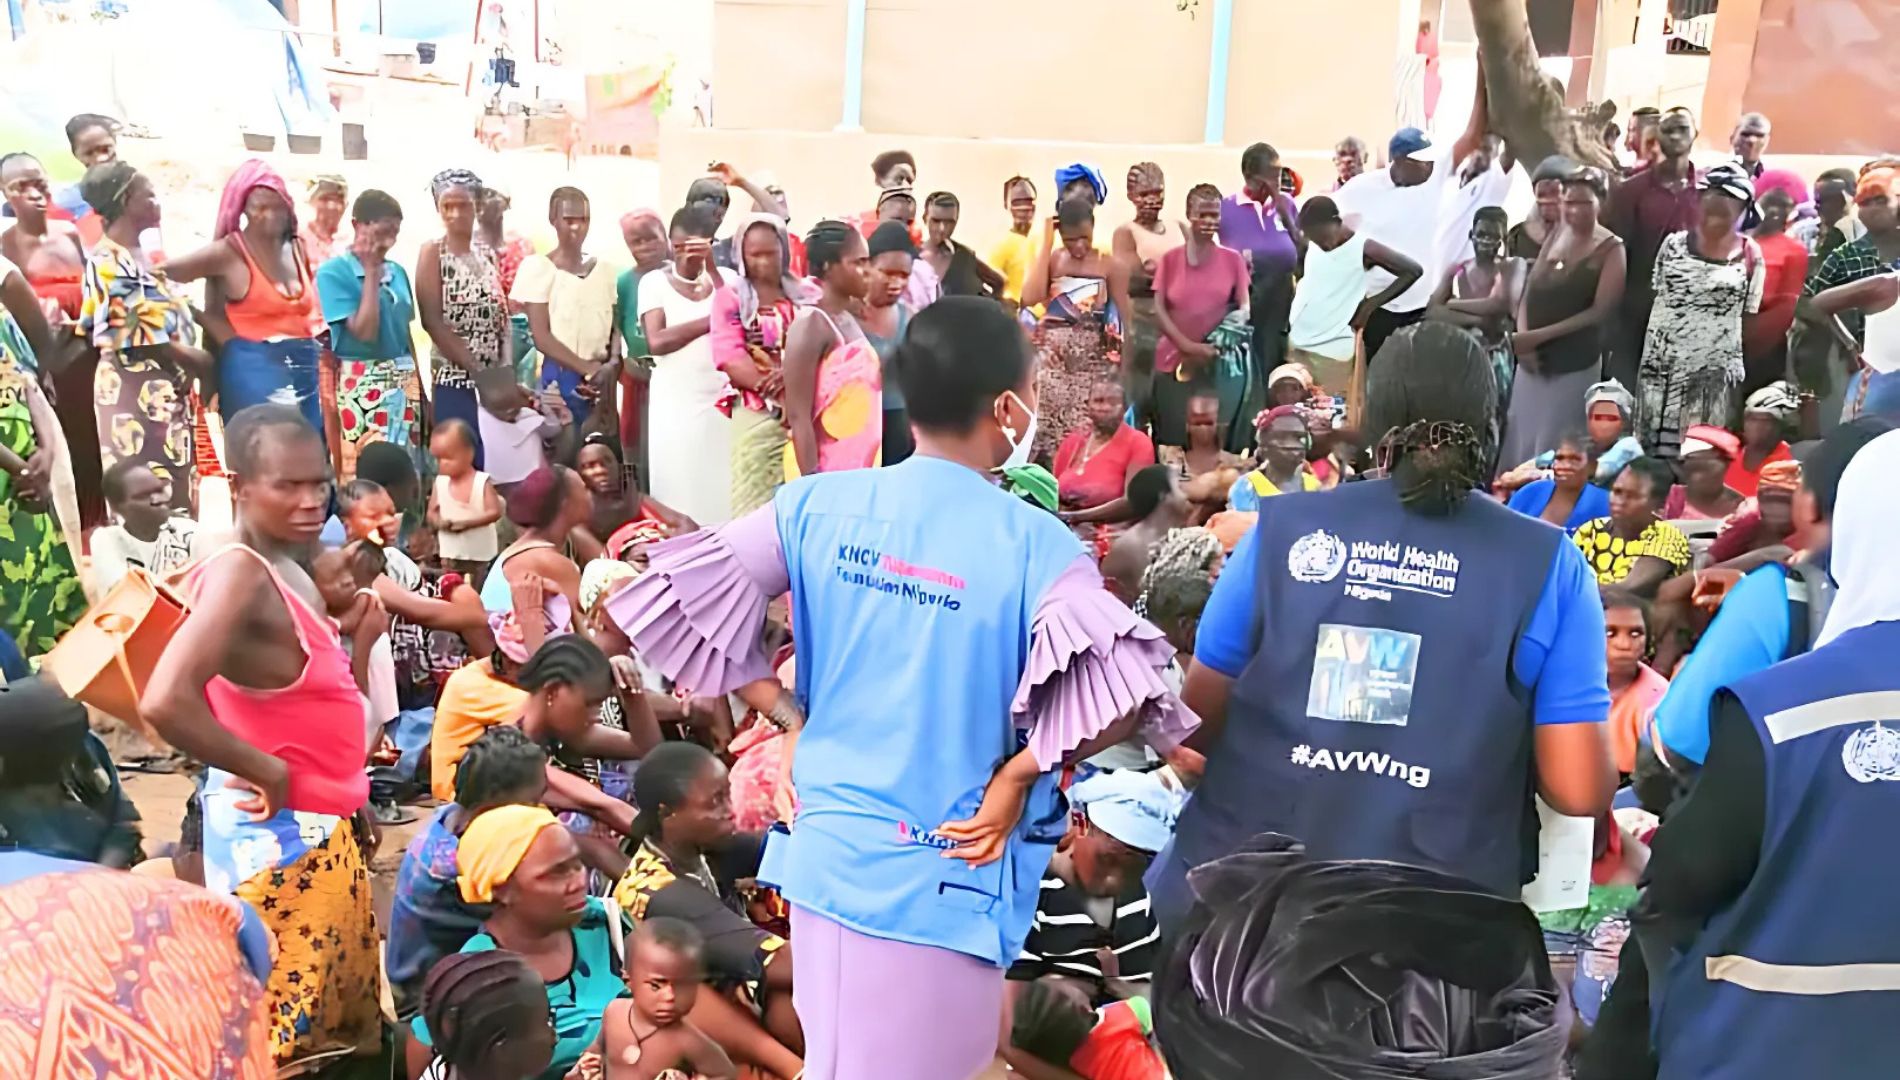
(689,442)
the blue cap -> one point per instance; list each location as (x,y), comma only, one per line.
(1408,142)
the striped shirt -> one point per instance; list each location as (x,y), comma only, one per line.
(1065,939)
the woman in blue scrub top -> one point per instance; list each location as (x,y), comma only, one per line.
(955,647)
(1400,657)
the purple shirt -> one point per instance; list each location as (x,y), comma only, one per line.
(1246,225)
(1198,297)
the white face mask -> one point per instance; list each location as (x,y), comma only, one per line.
(1019,445)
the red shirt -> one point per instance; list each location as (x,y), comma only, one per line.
(1746,480)
(1104,475)
(1117,1048)
(1784,271)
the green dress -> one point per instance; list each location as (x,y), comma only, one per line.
(40,594)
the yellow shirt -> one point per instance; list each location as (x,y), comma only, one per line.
(1012,256)
(1612,557)
(473,700)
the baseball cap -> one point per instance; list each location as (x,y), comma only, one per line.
(1409,142)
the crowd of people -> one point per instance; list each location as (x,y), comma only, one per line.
(857,589)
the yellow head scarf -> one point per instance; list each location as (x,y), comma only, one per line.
(492,846)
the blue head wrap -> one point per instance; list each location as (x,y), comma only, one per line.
(1069,174)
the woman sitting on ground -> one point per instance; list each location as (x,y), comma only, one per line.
(1096,462)
(427,917)
(1764,417)
(519,860)
(1703,460)
(617,503)
(1608,410)
(1283,468)
(686,862)
(1632,547)
(1566,498)
(547,507)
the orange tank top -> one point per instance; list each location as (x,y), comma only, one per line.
(265,312)
(315,724)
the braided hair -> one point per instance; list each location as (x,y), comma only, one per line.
(1434,400)
(1180,574)
(566,660)
(1202,191)
(826,244)
(1013,181)
(661,782)
(472,1001)
(503,762)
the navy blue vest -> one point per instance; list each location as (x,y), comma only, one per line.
(1380,717)
(1826,893)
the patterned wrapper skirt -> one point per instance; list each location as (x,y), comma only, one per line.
(1672,402)
(378,401)
(1068,360)
(143,406)
(758,458)
(305,875)
(121,975)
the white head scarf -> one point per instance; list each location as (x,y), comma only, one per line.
(1866,522)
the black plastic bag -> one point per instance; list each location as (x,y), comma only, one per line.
(1292,969)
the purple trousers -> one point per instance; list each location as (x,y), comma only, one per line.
(873,1009)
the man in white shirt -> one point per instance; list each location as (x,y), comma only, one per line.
(1402,206)
(1483,180)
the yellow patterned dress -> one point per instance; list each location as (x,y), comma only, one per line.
(142,400)
(737,950)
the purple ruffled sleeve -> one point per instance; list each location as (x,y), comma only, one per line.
(697,613)
(1091,662)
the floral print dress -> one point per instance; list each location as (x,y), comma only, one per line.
(141,399)
(40,593)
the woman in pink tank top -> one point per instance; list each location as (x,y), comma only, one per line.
(256,684)
(833,378)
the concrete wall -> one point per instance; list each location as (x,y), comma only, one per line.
(980,90)
(1820,69)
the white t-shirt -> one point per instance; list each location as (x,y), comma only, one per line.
(1462,202)
(1404,219)
(114,551)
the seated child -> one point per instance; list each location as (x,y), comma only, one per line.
(1054,1035)
(487,1014)
(463,505)
(1092,922)
(647,1036)
(1635,687)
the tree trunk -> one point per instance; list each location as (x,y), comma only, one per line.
(1527,106)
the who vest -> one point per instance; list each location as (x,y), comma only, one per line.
(1800,976)
(1380,717)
